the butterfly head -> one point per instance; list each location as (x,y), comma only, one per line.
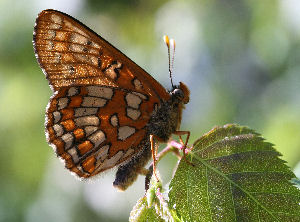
(181,93)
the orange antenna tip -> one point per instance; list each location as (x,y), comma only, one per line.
(166,40)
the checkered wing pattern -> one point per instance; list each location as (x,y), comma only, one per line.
(102,100)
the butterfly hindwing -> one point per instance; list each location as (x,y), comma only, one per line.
(94,128)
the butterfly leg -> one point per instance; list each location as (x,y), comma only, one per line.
(159,156)
(180,134)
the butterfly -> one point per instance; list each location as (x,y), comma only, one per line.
(105,110)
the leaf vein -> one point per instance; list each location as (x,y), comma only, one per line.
(235,184)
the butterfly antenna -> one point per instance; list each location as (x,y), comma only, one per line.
(167,42)
(172,44)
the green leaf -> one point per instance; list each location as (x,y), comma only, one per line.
(141,212)
(153,206)
(236,176)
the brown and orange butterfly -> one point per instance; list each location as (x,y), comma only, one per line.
(105,111)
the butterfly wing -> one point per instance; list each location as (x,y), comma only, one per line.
(71,54)
(94,128)
(102,100)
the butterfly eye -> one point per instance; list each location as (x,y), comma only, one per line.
(178,93)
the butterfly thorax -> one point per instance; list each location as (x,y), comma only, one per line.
(167,118)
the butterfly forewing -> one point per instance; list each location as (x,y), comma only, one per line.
(72,54)
(102,100)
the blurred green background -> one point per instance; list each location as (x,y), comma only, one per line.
(241,60)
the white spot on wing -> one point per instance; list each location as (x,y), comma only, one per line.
(49,46)
(85,111)
(137,84)
(134,114)
(56,116)
(95,45)
(76,47)
(51,34)
(114,121)
(125,131)
(68,139)
(57,57)
(111,73)
(73,154)
(94,60)
(87,121)
(93,102)
(54,26)
(101,154)
(98,91)
(94,51)
(97,138)
(56,19)
(109,163)
(58,130)
(133,100)
(128,153)
(62,103)
(111,70)
(90,129)
(73,91)
(70,26)
(79,39)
